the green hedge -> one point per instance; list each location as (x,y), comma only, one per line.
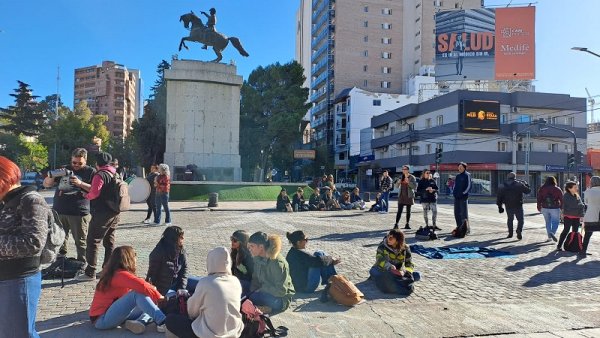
(233,192)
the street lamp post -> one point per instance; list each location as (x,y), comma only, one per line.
(584,49)
(541,122)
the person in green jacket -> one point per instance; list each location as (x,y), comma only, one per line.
(271,289)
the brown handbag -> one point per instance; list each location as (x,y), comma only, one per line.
(344,291)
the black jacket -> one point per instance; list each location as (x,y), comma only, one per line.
(282,202)
(298,200)
(165,272)
(427,197)
(299,262)
(247,264)
(511,194)
(462,185)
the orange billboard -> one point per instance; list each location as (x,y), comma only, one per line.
(515,43)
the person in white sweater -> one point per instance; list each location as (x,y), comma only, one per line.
(214,308)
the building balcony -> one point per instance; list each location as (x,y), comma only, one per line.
(318,94)
(341,147)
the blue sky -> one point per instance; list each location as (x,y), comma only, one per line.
(37,36)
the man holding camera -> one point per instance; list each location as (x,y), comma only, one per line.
(511,195)
(72,208)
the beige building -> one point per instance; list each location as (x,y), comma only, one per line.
(113,90)
(375,45)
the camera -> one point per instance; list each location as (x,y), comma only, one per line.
(59,173)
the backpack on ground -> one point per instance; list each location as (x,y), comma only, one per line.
(257,324)
(119,191)
(63,268)
(426,234)
(574,242)
(344,291)
(176,304)
(461,231)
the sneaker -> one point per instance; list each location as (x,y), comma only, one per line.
(83,277)
(155,224)
(435,227)
(519,236)
(407,226)
(396,226)
(135,326)
(553,237)
(146,221)
(509,235)
(168,224)
(382,212)
(161,328)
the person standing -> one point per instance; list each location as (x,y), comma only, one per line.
(549,203)
(591,219)
(462,186)
(23,232)
(72,208)
(511,195)
(428,190)
(406,195)
(573,210)
(151,200)
(385,185)
(105,218)
(163,187)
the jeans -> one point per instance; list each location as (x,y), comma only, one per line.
(512,213)
(552,217)
(18,307)
(385,197)
(260,298)
(102,228)
(571,225)
(461,210)
(132,306)
(162,201)
(387,282)
(426,208)
(151,202)
(399,213)
(316,275)
(78,225)
(180,325)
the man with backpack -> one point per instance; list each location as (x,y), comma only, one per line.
(511,195)
(104,201)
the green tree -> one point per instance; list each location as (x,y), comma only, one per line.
(35,156)
(272,106)
(48,106)
(11,146)
(26,117)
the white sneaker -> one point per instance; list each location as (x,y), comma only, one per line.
(82,277)
(146,221)
(135,326)
(168,224)
(161,328)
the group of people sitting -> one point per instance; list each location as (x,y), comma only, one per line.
(321,199)
(253,267)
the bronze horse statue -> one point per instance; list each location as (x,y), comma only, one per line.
(200,33)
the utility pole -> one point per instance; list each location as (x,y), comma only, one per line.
(56,112)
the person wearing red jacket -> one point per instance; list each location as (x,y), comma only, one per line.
(549,203)
(122,298)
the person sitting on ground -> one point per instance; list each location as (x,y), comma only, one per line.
(573,210)
(214,308)
(316,202)
(393,271)
(168,267)
(283,201)
(357,202)
(272,287)
(308,270)
(591,220)
(331,186)
(344,201)
(378,205)
(330,202)
(122,298)
(242,262)
(298,202)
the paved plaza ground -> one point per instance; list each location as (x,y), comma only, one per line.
(538,292)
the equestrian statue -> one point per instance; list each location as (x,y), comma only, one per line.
(207,34)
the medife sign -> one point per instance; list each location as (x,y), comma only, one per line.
(515,43)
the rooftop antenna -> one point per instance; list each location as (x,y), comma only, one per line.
(592,102)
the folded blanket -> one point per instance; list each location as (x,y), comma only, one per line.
(458,252)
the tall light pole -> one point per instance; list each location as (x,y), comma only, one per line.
(544,124)
(584,49)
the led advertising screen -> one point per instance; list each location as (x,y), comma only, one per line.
(480,116)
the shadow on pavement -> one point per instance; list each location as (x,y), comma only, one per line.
(65,326)
(551,257)
(566,271)
(353,235)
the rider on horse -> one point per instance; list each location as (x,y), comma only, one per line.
(211,22)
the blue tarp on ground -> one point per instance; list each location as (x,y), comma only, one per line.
(458,252)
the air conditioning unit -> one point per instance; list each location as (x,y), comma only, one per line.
(385,127)
(515,109)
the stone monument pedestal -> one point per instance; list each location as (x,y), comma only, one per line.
(203,120)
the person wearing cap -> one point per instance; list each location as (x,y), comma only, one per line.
(283,201)
(511,196)
(241,258)
(104,218)
(591,220)
(307,270)
(272,287)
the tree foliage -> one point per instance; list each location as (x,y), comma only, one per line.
(34,156)
(26,117)
(272,106)
(10,146)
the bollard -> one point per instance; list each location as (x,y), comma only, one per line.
(367,196)
(213,200)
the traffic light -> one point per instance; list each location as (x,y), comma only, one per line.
(571,160)
(438,155)
(579,157)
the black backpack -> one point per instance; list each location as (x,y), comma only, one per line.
(118,190)
(426,234)
(63,268)
(574,242)
(460,231)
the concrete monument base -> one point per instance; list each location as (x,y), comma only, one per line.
(203,120)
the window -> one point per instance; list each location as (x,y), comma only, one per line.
(428,123)
(570,121)
(440,120)
(428,149)
(366,38)
(418,19)
(365,83)
(523,118)
(386,11)
(386,55)
(343,156)
(386,70)
(386,25)
(365,67)
(502,146)
(366,53)
(366,24)
(386,84)
(439,146)
(366,9)
(386,41)
(377,102)
(503,118)
(553,147)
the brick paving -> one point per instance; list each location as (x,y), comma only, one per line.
(537,292)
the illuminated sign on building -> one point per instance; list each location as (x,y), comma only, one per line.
(480,116)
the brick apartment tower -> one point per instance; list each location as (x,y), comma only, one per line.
(374,45)
(113,90)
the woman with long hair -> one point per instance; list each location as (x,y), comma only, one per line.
(151,200)
(283,201)
(573,210)
(549,203)
(345,202)
(393,271)
(168,265)
(163,188)
(23,232)
(242,262)
(122,298)
(406,195)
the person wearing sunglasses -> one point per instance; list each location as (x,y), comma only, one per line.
(242,262)
(72,208)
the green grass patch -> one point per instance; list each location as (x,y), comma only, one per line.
(233,192)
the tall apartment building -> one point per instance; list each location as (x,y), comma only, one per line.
(113,90)
(375,45)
